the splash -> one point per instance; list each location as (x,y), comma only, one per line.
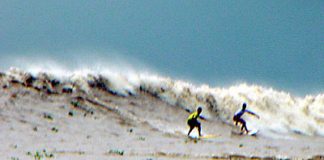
(280,112)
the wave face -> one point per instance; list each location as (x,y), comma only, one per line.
(281,113)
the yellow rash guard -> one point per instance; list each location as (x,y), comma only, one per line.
(193,115)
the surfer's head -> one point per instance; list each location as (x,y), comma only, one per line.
(244,106)
(199,109)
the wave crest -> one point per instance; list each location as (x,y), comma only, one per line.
(281,113)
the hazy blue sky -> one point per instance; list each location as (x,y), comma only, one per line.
(275,43)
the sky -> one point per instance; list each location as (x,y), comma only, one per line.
(218,42)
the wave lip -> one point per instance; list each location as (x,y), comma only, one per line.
(281,113)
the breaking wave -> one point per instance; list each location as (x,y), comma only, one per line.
(281,113)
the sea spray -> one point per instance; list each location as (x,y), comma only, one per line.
(280,112)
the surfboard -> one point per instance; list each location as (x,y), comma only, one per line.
(208,136)
(253,132)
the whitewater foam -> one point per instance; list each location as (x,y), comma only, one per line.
(280,112)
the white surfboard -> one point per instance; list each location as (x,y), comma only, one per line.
(253,132)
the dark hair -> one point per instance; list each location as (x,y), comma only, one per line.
(199,109)
(244,105)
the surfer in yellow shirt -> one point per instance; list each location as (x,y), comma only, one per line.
(193,122)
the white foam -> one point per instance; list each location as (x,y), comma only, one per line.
(280,112)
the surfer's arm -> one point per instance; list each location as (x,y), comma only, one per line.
(252,113)
(201,117)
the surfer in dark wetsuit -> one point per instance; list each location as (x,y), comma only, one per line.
(193,122)
(237,117)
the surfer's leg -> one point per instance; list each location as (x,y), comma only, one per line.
(244,125)
(191,128)
(236,120)
(191,125)
(247,131)
(199,128)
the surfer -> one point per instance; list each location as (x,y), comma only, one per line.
(237,117)
(193,122)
